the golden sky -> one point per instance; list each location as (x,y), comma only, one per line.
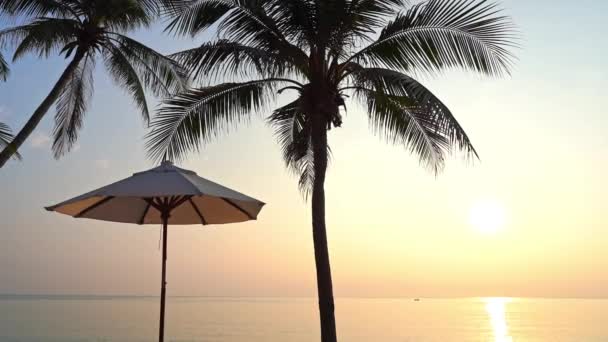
(394,228)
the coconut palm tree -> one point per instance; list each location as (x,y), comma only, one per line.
(85,31)
(325,51)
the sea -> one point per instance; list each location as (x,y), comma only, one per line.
(198,319)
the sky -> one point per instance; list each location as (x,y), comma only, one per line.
(394,229)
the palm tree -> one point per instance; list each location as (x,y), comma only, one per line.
(325,51)
(82,31)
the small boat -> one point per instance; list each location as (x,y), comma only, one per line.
(416,299)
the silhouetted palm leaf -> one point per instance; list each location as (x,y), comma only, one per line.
(200,114)
(124,75)
(293,131)
(42,37)
(4,69)
(223,59)
(247,22)
(296,21)
(160,74)
(72,106)
(6,136)
(419,100)
(67,8)
(194,16)
(36,8)
(440,34)
(359,20)
(403,122)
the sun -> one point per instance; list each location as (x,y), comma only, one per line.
(487,216)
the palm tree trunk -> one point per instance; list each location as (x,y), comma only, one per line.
(39,113)
(324,283)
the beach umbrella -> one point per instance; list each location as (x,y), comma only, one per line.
(165,195)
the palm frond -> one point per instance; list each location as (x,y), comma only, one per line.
(33,8)
(154,8)
(362,18)
(225,59)
(72,106)
(391,92)
(160,74)
(4,69)
(296,20)
(304,168)
(195,116)
(43,36)
(194,16)
(6,136)
(334,31)
(402,122)
(121,15)
(293,131)
(124,75)
(248,22)
(440,34)
(342,24)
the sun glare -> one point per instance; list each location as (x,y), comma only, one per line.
(496,308)
(487,216)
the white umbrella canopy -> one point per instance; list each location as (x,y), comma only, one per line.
(196,200)
(163,195)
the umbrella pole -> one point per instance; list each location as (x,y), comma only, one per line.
(163,284)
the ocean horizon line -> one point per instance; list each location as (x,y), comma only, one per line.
(42,296)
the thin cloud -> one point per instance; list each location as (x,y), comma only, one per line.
(40,140)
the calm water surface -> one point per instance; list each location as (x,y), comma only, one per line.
(82,319)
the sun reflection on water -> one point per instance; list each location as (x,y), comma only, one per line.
(498,319)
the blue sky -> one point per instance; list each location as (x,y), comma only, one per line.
(544,156)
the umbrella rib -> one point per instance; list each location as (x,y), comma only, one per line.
(238,208)
(143,217)
(173,201)
(197,211)
(180,201)
(97,204)
(157,206)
